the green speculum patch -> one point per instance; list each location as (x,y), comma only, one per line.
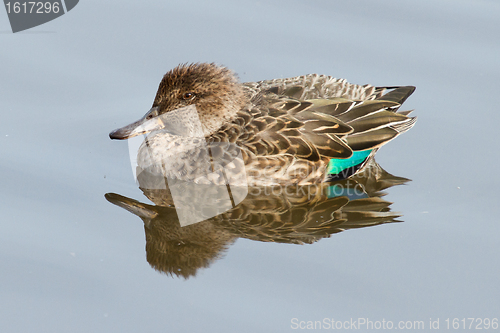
(337,165)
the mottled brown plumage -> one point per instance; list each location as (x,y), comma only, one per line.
(287,130)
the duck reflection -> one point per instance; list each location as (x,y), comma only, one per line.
(281,214)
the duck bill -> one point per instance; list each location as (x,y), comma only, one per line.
(150,122)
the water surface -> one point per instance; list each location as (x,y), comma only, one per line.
(71,261)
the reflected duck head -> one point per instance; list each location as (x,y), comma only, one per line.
(210,93)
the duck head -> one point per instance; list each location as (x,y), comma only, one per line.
(192,100)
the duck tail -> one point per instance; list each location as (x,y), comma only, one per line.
(398,95)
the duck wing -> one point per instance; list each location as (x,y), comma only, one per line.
(301,124)
(279,123)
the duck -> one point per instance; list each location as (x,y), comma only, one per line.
(303,130)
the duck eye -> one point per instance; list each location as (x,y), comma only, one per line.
(188,96)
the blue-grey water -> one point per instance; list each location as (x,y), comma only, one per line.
(73,262)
